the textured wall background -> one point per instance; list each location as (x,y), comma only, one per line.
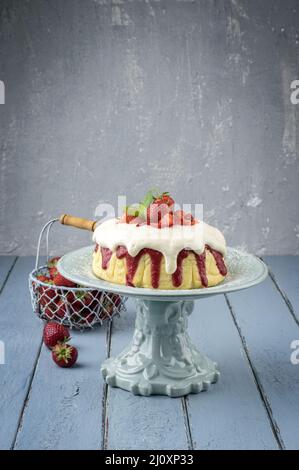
(114,97)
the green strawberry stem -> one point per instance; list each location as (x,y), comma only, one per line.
(139,210)
(63,353)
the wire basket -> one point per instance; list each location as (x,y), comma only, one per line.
(76,307)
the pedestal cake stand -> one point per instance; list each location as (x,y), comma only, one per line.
(161,358)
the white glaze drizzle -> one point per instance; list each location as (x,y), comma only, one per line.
(169,241)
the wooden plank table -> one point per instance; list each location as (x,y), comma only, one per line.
(255,405)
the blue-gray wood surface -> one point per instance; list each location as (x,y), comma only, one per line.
(253,406)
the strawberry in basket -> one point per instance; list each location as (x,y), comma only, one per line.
(59,280)
(50,299)
(47,297)
(52,266)
(82,305)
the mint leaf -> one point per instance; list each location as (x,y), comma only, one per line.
(148,199)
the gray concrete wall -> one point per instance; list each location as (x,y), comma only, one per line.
(114,97)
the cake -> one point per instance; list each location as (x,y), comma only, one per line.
(154,246)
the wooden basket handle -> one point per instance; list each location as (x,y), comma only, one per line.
(79,222)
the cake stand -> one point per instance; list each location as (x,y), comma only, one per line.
(161,358)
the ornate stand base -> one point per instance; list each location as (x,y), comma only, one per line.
(161,358)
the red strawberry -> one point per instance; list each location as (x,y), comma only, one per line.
(178,217)
(189,219)
(52,266)
(155,212)
(80,299)
(164,198)
(54,333)
(166,221)
(60,309)
(48,313)
(53,261)
(126,218)
(43,278)
(183,218)
(53,271)
(47,294)
(115,299)
(64,355)
(59,280)
(137,220)
(89,318)
(159,207)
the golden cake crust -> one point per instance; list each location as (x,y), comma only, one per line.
(116,271)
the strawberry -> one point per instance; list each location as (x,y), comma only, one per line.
(60,309)
(109,304)
(47,294)
(52,266)
(48,313)
(64,355)
(80,299)
(183,218)
(158,208)
(59,280)
(54,333)
(155,212)
(43,278)
(126,218)
(189,219)
(89,318)
(166,221)
(178,217)
(115,299)
(137,220)
(164,198)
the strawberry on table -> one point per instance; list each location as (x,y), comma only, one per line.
(60,280)
(54,333)
(64,355)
